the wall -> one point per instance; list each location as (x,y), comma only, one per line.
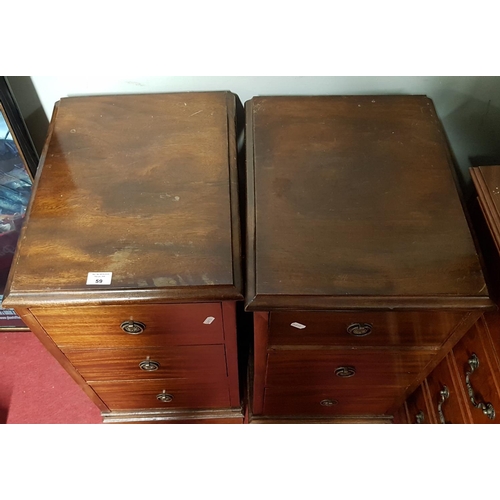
(468,106)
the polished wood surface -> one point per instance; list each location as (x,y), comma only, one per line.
(354,217)
(418,407)
(453,407)
(387,328)
(316,368)
(165,416)
(352,204)
(196,363)
(166,324)
(485,380)
(487,183)
(127,395)
(143,186)
(307,401)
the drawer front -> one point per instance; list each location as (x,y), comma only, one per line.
(324,401)
(419,409)
(362,329)
(176,393)
(474,355)
(165,324)
(447,396)
(315,368)
(196,363)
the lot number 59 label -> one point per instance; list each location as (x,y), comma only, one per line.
(99,278)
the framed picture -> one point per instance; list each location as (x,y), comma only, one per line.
(18,163)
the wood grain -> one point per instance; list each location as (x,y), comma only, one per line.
(196,363)
(316,368)
(306,401)
(485,379)
(356,198)
(454,408)
(166,324)
(143,186)
(389,328)
(127,395)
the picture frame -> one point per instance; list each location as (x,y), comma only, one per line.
(18,164)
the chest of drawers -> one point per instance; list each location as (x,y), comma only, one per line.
(129,266)
(362,273)
(465,388)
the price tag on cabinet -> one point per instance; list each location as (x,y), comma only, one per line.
(99,278)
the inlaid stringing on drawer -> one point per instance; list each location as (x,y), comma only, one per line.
(164,324)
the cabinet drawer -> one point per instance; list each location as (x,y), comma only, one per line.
(483,376)
(324,401)
(418,405)
(196,363)
(317,368)
(165,324)
(362,329)
(184,393)
(447,396)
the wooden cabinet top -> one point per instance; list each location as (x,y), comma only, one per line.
(142,186)
(487,183)
(352,204)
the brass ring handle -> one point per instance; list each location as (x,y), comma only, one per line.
(133,327)
(164,397)
(148,365)
(487,408)
(359,329)
(329,402)
(345,371)
(445,394)
(419,417)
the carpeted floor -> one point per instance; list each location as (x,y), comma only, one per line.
(34,388)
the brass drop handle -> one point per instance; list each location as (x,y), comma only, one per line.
(133,327)
(487,408)
(329,402)
(148,365)
(359,329)
(419,417)
(164,397)
(345,371)
(445,394)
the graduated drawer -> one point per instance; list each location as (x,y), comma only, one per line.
(197,363)
(184,393)
(447,397)
(362,328)
(324,401)
(165,324)
(479,374)
(317,368)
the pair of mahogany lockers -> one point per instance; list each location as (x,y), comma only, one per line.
(299,259)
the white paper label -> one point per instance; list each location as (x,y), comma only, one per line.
(209,320)
(300,326)
(99,278)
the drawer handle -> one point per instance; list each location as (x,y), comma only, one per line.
(419,417)
(345,371)
(359,329)
(148,365)
(164,397)
(329,402)
(487,408)
(133,327)
(445,394)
